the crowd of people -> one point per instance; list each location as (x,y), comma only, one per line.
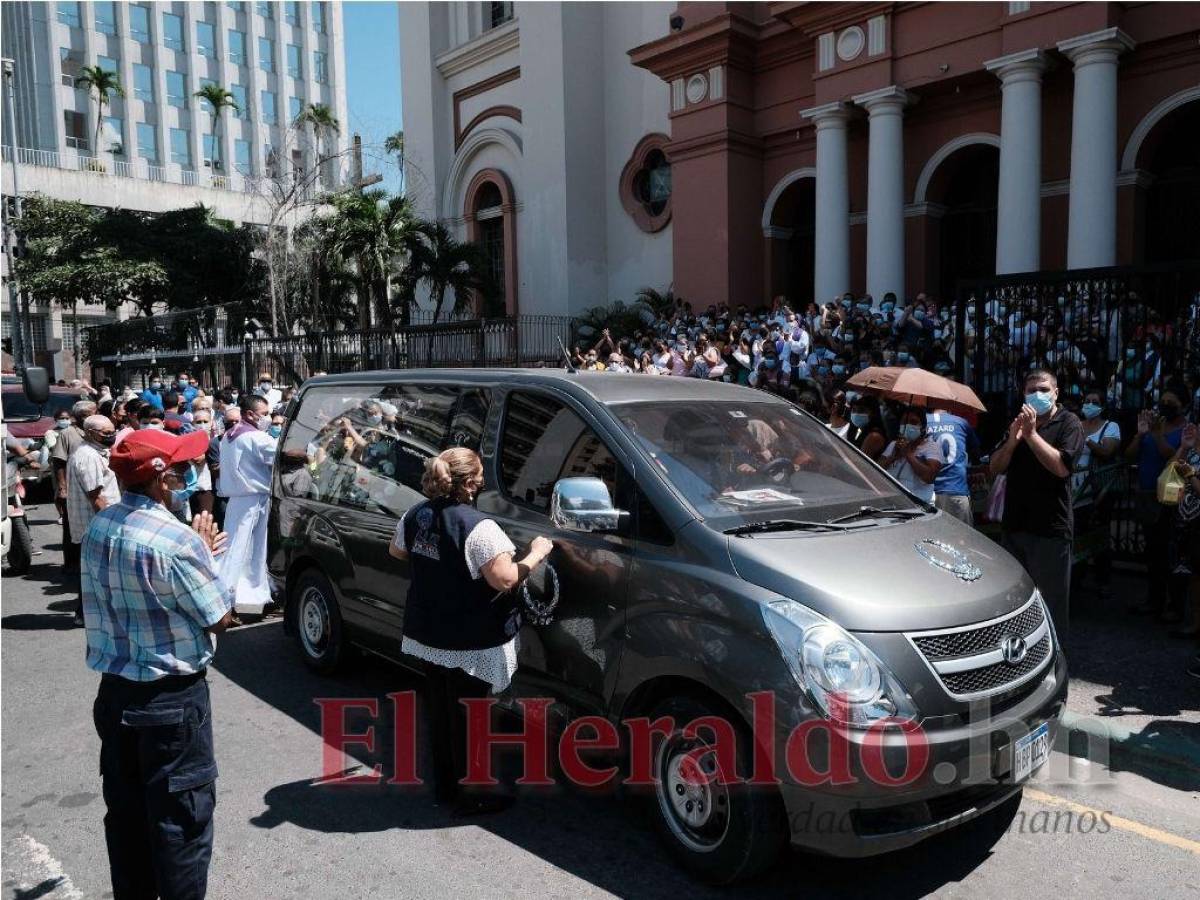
(229,481)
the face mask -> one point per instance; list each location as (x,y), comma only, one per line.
(769,363)
(183,382)
(1041,401)
(887,307)
(860,420)
(1091,410)
(846,304)
(902,356)
(203,426)
(233,396)
(1130,353)
(191,482)
(262,424)
(156,385)
(274,431)
(919,315)
(374,420)
(60,424)
(838,369)
(822,370)
(937,334)
(104,440)
(155,425)
(910,432)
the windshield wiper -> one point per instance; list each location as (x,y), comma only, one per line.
(783,525)
(881,512)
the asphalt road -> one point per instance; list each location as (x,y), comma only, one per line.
(279,835)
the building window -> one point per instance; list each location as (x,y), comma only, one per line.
(237,47)
(209,142)
(37,328)
(176,89)
(69,63)
(266,54)
(295,107)
(645,186)
(108,64)
(241,98)
(499,13)
(172,31)
(75,126)
(147,139)
(106,17)
(139,23)
(318,17)
(291,12)
(293,60)
(320,67)
(68,14)
(112,136)
(181,151)
(235,5)
(490,225)
(270,161)
(265,9)
(143,82)
(241,156)
(206,39)
(267,100)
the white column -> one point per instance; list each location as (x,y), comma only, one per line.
(1019,200)
(831,275)
(885,189)
(1092,222)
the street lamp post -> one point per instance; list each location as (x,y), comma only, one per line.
(20,345)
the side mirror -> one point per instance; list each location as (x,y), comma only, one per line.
(583,504)
(36,382)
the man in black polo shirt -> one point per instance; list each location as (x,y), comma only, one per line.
(1038,454)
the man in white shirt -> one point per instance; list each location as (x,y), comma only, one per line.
(91,484)
(247,455)
(267,390)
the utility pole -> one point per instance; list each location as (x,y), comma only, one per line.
(20,322)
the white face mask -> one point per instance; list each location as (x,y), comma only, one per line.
(374,420)
(263,423)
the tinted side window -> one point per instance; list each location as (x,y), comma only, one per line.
(466,426)
(363,447)
(544,441)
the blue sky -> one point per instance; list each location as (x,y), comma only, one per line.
(373,80)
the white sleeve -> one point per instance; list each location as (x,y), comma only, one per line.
(1111,430)
(485,542)
(398,536)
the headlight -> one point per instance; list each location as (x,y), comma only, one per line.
(844,678)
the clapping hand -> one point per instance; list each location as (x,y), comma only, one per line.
(1029,415)
(205,526)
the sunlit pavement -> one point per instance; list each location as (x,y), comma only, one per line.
(1134,832)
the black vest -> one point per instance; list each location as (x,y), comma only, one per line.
(447,608)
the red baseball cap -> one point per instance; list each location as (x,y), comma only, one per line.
(149,452)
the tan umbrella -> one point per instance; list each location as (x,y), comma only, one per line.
(917,387)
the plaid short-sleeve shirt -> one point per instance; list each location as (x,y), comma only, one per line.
(150,588)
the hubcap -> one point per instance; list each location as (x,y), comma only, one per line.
(314,621)
(693,803)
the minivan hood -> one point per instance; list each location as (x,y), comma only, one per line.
(874,578)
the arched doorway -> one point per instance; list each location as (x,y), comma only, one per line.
(1171,229)
(964,188)
(790,230)
(490,217)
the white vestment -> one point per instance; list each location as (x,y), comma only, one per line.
(246,479)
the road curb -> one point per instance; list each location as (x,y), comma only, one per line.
(1087,734)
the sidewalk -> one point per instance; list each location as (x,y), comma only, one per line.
(1129,690)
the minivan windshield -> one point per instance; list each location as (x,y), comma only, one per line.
(758,461)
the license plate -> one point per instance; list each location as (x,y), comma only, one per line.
(1031,751)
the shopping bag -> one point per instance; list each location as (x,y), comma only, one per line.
(995,499)
(1170,485)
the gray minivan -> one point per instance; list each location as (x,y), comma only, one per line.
(714,546)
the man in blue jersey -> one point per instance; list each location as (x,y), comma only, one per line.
(958,441)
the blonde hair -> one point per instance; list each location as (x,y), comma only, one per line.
(446,474)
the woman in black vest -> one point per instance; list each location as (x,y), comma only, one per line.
(461,616)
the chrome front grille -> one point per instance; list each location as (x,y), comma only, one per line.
(970,661)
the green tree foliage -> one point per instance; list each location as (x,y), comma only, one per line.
(101,85)
(218,100)
(444,264)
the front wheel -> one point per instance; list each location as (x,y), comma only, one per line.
(318,623)
(20,551)
(721,832)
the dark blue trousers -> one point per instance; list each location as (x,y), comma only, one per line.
(159,776)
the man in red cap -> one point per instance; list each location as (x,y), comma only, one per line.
(152,605)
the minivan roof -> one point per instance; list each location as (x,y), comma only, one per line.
(604,387)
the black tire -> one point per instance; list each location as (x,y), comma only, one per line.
(318,620)
(20,551)
(745,828)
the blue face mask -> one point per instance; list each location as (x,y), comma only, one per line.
(860,420)
(838,369)
(902,356)
(769,363)
(1091,410)
(274,431)
(919,315)
(910,432)
(62,423)
(1041,401)
(191,483)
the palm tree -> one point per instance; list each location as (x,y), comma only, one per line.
(371,229)
(445,263)
(394,144)
(218,99)
(100,84)
(323,123)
